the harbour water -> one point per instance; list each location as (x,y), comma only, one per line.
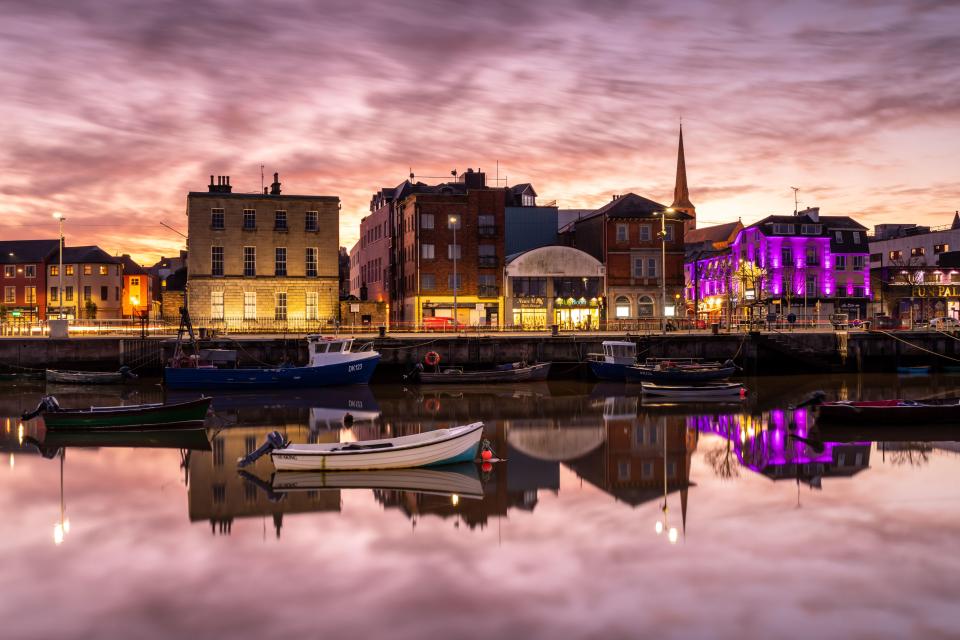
(607,518)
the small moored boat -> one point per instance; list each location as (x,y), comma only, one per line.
(89,377)
(459,479)
(613,362)
(680,372)
(891,412)
(120,417)
(441,446)
(512,372)
(723,391)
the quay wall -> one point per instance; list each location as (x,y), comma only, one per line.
(756,353)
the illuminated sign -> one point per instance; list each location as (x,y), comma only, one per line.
(935,291)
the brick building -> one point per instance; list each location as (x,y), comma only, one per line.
(262,261)
(430,220)
(23,282)
(624,235)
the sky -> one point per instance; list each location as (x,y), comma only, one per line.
(113,110)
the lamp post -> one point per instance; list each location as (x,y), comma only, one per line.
(59,218)
(663,266)
(454,222)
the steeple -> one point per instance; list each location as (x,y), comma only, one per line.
(681,195)
(956,220)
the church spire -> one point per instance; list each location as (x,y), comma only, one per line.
(681,194)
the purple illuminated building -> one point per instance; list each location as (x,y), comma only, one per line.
(805,259)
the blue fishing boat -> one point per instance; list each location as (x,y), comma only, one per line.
(613,362)
(914,371)
(332,362)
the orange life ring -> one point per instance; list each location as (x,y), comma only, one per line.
(432,358)
(432,405)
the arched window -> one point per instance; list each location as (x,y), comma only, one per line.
(622,307)
(645,307)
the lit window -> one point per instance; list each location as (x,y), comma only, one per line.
(249,305)
(216,305)
(280,310)
(312,311)
(622,307)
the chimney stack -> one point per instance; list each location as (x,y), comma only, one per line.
(275,187)
(222,185)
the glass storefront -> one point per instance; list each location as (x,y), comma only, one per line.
(583,319)
(529,319)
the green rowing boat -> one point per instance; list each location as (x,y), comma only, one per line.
(122,417)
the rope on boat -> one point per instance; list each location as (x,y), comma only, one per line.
(917,347)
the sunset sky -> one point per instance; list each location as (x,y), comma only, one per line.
(113,110)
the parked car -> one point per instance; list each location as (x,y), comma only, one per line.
(441,323)
(944,324)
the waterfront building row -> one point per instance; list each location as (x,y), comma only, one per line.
(92,284)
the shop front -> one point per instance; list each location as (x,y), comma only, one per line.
(559,286)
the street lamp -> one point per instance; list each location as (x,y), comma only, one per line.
(663,265)
(59,218)
(454,222)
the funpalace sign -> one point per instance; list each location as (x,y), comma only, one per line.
(935,291)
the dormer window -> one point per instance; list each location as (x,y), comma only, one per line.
(783,229)
(529,200)
(810,229)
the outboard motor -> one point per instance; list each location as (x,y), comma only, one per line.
(414,372)
(127,373)
(48,404)
(274,440)
(729,363)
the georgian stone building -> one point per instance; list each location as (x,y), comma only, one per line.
(262,261)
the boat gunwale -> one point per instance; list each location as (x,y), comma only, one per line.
(463,430)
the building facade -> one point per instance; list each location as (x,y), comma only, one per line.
(708,268)
(92,283)
(137,293)
(625,235)
(910,245)
(526,225)
(451,253)
(804,264)
(23,279)
(554,285)
(262,261)
(370,256)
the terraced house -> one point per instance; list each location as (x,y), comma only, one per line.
(92,283)
(22,280)
(262,261)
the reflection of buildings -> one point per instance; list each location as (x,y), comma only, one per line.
(219,494)
(506,485)
(638,455)
(765,443)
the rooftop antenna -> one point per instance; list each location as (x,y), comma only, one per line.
(796,206)
(261,177)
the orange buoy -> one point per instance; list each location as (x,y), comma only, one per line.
(432,358)
(486,455)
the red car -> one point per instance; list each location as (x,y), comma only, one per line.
(440,323)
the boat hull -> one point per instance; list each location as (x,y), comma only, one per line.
(83,377)
(460,479)
(881,413)
(722,391)
(180,414)
(678,376)
(608,370)
(358,371)
(434,448)
(532,373)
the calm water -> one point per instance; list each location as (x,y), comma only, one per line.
(761,535)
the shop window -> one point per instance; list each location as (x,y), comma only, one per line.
(896,255)
(941,248)
(645,307)
(917,252)
(622,307)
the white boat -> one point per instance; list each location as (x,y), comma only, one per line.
(725,391)
(89,377)
(461,480)
(441,446)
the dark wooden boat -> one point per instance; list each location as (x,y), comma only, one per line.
(120,417)
(515,372)
(891,412)
(670,373)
